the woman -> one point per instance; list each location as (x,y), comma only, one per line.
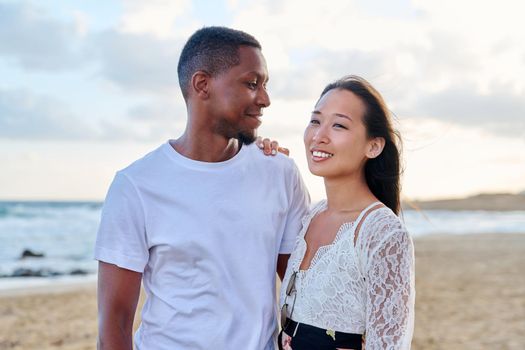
(352,271)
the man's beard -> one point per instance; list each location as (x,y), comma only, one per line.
(245,137)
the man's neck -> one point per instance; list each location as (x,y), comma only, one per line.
(206,147)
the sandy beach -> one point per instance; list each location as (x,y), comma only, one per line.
(470,295)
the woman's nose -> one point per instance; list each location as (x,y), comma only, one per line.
(320,135)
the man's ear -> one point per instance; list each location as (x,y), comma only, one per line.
(200,84)
(375,147)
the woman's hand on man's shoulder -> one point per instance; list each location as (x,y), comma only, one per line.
(269,147)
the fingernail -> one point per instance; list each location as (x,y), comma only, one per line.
(274,152)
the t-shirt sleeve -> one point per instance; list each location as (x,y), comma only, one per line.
(121,238)
(298,208)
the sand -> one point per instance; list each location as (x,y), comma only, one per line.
(470,295)
(470,292)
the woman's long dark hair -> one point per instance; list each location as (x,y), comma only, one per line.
(383,172)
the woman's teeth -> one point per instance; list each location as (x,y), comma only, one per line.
(322,154)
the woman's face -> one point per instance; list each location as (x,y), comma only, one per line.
(335,139)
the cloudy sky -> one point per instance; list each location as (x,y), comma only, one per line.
(87,87)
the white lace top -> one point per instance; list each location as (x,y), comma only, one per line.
(369,287)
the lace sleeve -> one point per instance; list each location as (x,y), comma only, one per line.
(390,288)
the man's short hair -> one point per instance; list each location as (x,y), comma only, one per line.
(213,50)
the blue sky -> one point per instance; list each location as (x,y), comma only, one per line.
(87,87)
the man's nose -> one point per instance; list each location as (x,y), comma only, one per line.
(263,99)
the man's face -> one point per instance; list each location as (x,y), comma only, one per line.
(238,96)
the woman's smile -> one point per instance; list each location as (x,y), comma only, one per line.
(320,156)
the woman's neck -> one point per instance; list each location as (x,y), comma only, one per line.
(348,194)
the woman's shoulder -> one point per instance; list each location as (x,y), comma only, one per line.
(312,211)
(383,214)
(316,208)
(382,223)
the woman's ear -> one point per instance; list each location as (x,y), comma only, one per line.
(200,84)
(375,147)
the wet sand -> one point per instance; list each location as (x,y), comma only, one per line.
(470,295)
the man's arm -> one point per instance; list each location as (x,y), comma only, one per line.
(282,262)
(118,295)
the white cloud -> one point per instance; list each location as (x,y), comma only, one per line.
(160,119)
(437,49)
(26,116)
(451,70)
(155,17)
(81,22)
(339,25)
(137,62)
(317,68)
(31,38)
(446,160)
(499,112)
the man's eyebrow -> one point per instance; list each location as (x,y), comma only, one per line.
(260,76)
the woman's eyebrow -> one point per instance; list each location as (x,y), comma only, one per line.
(343,116)
(336,114)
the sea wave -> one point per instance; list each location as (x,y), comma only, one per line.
(427,222)
(65,232)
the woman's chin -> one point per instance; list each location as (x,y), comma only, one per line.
(317,171)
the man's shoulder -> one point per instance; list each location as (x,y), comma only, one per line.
(147,162)
(277,162)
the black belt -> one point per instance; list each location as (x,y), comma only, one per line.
(303,333)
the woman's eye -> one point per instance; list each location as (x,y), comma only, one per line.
(340,126)
(314,121)
(252,85)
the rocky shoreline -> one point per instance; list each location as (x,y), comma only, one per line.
(43,272)
(28,255)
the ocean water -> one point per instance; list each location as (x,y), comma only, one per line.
(65,232)
(427,222)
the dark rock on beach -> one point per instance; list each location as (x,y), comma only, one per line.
(25,272)
(22,272)
(28,253)
(43,272)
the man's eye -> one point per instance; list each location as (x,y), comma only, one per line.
(252,85)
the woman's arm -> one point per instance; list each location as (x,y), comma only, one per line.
(390,292)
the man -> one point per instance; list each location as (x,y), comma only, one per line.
(205,220)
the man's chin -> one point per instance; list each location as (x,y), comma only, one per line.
(246,138)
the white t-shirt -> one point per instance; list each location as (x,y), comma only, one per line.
(206,237)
